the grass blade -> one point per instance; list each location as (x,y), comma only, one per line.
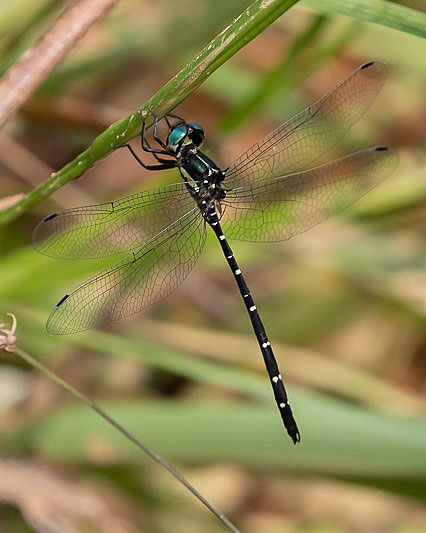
(381,12)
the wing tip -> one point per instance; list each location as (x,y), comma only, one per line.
(39,233)
(62,300)
(60,321)
(49,217)
(391,157)
(391,151)
(53,326)
(378,69)
(51,330)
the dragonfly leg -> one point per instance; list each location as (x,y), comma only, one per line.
(154,152)
(162,166)
(144,143)
(146,147)
(173,116)
(155,134)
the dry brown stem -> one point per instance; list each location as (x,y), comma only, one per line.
(21,80)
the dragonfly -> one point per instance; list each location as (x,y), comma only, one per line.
(270,193)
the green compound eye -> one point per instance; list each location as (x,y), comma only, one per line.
(177,134)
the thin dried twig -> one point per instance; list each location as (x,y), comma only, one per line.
(21,80)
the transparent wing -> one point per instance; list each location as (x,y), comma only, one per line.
(302,139)
(114,227)
(146,276)
(277,209)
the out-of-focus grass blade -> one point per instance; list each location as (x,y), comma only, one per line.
(336,439)
(274,77)
(15,15)
(382,12)
(168,347)
(273,91)
(26,286)
(147,44)
(24,27)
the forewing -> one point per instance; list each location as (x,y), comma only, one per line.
(277,209)
(302,139)
(146,276)
(111,228)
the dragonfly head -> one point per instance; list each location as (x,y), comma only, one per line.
(185,134)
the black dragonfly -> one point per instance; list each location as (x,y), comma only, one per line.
(266,195)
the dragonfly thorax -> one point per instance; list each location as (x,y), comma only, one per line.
(204,178)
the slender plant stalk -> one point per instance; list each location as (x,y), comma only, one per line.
(258,16)
(93,405)
(23,36)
